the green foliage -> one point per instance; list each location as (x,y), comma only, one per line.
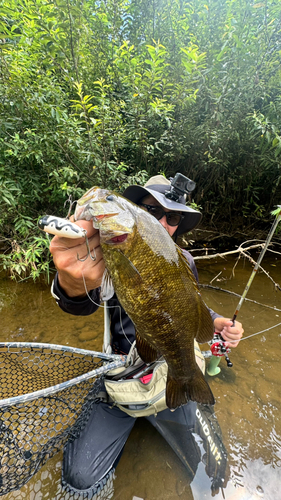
(28,259)
(277,211)
(109,93)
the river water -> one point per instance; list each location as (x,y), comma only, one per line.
(247,395)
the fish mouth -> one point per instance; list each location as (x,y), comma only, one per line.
(118,239)
(99,218)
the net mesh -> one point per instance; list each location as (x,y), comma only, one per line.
(46,395)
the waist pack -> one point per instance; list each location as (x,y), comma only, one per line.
(127,389)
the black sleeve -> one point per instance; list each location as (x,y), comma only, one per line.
(76,306)
(193,267)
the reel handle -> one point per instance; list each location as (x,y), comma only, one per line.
(218,349)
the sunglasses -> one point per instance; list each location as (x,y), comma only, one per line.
(173,218)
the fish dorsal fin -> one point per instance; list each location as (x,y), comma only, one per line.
(107,288)
(187,265)
(206,326)
(147,353)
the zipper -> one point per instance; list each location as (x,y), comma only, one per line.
(141,403)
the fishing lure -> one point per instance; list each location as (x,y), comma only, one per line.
(65,228)
(61,227)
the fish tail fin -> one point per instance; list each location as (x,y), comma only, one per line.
(195,389)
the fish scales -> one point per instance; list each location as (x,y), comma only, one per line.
(157,289)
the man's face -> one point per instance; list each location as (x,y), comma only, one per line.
(149,200)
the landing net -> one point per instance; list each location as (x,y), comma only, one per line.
(46,396)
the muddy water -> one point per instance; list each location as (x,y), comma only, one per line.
(247,395)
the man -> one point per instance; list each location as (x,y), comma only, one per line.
(93,456)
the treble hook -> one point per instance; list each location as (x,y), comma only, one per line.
(71,203)
(89,253)
(93,257)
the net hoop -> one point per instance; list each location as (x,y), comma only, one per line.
(113,361)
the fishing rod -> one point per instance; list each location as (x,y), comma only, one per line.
(218,348)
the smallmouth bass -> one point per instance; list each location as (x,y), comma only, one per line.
(156,287)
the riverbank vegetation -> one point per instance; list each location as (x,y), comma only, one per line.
(108,93)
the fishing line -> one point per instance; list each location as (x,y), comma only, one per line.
(254,334)
(110,307)
(203,285)
(218,348)
(120,312)
(90,298)
(123,331)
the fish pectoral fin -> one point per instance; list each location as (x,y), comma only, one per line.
(107,288)
(129,269)
(195,389)
(147,353)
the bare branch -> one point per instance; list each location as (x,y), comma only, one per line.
(231,252)
(242,251)
(262,269)
(215,277)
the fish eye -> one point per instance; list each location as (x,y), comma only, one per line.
(110,197)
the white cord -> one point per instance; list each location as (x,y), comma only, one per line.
(99,305)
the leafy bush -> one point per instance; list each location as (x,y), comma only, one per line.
(109,93)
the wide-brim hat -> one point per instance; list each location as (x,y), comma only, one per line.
(157,186)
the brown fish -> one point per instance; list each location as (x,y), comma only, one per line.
(157,289)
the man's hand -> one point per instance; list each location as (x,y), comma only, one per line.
(230,334)
(71,271)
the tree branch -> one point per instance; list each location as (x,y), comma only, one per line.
(241,251)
